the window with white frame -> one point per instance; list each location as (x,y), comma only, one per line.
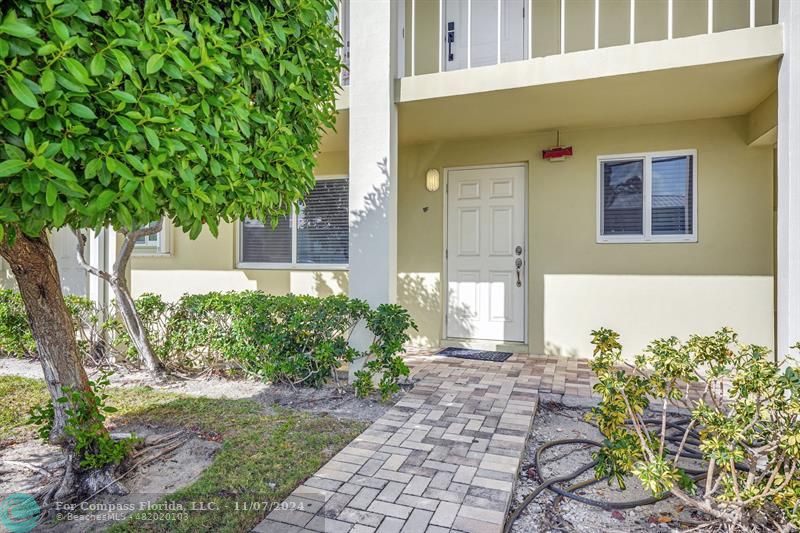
(155,244)
(316,235)
(647,197)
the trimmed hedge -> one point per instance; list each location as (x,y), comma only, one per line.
(16,339)
(300,340)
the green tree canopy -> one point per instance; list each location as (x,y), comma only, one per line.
(117,113)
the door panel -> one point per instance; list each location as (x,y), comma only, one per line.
(469,224)
(455,30)
(486,237)
(482,21)
(500,296)
(502,231)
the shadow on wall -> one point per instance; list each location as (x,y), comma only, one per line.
(373,209)
(323,287)
(420,293)
(553,349)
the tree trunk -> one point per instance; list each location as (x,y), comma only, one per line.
(36,272)
(117,279)
(136,330)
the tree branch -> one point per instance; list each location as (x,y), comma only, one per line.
(81,251)
(128,244)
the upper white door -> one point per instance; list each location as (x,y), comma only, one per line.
(454,47)
(486,270)
(479,18)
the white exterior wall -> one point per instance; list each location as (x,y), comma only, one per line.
(788,275)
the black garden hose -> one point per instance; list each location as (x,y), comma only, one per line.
(690,451)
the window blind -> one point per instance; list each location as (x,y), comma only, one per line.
(323,225)
(263,244)
(623,196)
(317,234)
(672,195)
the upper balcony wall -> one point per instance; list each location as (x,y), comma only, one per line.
(445,35)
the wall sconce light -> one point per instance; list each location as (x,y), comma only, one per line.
(432,179)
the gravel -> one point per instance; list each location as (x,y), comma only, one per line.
(557,421)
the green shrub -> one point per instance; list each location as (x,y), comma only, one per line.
(744,425)
(291,339)
(301,340)
(390,324)
(16,339)
(85,424)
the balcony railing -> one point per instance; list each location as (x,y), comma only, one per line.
(444,35)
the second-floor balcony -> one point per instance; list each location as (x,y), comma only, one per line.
(442,36)
(447,35)
(468,68)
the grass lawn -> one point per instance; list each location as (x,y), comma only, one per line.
(262,459)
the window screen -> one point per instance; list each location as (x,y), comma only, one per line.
(672,195)
(648,197)
(623,193)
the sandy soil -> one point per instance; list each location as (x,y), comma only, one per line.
(186,464)
(146,485)
(557,421)
(340,403)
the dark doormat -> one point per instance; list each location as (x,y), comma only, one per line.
(479,355)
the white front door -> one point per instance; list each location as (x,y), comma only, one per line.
(486,270)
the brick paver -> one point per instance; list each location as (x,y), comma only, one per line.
(444,458)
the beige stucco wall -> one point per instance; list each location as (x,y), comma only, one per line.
(576,285)
(209,263)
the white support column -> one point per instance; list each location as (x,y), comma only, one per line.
(111,253)
(97,259)
(788,241)
(373,158)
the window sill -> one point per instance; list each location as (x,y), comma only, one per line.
(288,266)
(151,254)
(684,239)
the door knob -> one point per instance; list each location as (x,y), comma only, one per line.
(518,250)
(518,264)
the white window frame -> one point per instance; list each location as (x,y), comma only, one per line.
(162,246)
(294,265)
(647,201)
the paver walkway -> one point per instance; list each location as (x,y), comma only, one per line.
(444,458)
